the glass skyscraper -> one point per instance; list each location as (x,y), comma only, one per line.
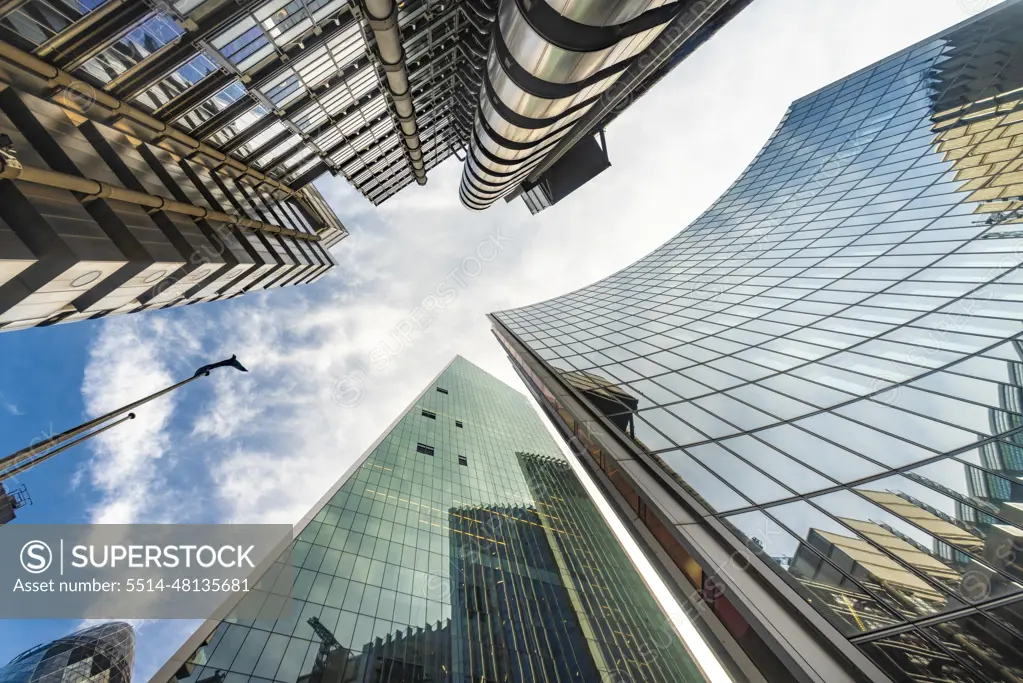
(811,397)
(461,548)
(98,654)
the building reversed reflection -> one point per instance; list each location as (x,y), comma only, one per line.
(462,548)
(824,370)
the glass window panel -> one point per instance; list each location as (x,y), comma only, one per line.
(869,442)
(785,469)
(988,368)
(621,372)
(852,382)
(843,602)
(271,656)
(739,414)
(982,645)
(143,40)
(640,348)
(967,415)
(772,402)
(702,420)
(668,424)
(957,319)
(228,646)
(906,530)
(251,649)
(770,359)
(711,377)
(825,457)
(696,353)
(959,521)
(671,360)
(966,388)
(740,368)
(653,392)
(753,484)
(798,349)
(860,549)
(915,428)
(643,366)
(810,392)
(714,492)
(1009,351)
(1010,615)
(927,356)
(683,386)
(910,656)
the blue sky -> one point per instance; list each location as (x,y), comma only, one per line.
(332,364)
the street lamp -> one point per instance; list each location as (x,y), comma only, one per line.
(18,462)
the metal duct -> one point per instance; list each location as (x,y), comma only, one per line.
(382,17)
(548,63)
(482,10)
(12,169)
(57,78)
(481,25)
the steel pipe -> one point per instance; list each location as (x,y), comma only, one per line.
(382,17)
(547,65)
(11,169)
(481,10)
(59,78)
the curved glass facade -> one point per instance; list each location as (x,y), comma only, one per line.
(100,654)
(829,360)
(462,548)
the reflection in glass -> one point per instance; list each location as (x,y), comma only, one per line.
(849,365)
(102,653)
(423,569)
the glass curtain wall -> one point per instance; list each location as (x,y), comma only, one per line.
(830,358)
(462,548)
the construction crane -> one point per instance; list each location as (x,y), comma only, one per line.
(328,644)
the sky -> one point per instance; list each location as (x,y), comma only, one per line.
(334,363)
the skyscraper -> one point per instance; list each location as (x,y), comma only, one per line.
(161,153)
(110,202)
(810,397)
(460,548)
(374,90)
(98,654)
(556,74)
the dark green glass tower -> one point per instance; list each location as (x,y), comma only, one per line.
(461,548)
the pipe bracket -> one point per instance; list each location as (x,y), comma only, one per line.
(384,24)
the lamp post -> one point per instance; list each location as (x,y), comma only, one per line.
(18,462)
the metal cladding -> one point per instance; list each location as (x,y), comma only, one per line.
(382,17)
(548,64)
(160,154)
(281,92)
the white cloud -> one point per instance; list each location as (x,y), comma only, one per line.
(263,446)
(10,406)
(125,470)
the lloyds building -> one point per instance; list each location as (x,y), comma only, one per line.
(808,404)
(161,153)
(460,548)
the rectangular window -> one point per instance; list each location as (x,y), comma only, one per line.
(458,423)
(427,413)
(462,460)
(423,448)
(443,391)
